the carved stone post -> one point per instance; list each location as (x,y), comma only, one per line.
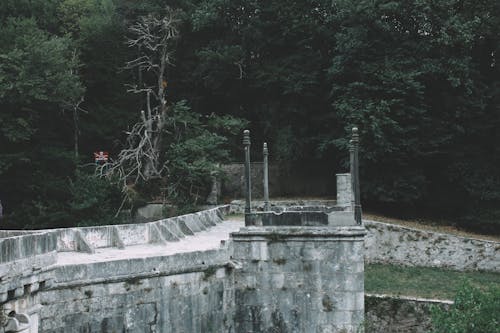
(266,177)
(354,149)
(248,186)
(351,172)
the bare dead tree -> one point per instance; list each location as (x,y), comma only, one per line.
(76,128)
(74,107)
(141,160)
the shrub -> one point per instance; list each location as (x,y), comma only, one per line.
(474,311)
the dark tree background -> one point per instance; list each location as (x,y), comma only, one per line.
(421,80)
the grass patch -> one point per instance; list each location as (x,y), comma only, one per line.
(424,281)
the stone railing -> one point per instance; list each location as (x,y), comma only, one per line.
(88,239)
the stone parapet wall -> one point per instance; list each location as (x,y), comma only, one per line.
(19,245)
(26,262)
(389,243)
(390,314)
(238,206)
(87,239)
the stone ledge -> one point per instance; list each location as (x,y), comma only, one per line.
(119,270)
(300,232)
(395,314)
(238,206)
(410,298)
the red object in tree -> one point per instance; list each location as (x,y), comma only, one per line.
(101,156)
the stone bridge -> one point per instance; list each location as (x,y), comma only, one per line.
(193,273)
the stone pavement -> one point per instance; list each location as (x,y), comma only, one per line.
(209,239)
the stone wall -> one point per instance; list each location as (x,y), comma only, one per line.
(389,243)
(388,314)
(233,181)
(305,279)
(25,270)
(190,292)
(238,206)
(312,180)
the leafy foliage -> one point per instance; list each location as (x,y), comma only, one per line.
(417,78)
(93,199)
(473,311)
(197,146)
(37,80)
(420,79)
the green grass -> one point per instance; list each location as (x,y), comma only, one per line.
(423,281)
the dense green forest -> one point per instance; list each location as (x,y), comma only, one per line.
(421,79)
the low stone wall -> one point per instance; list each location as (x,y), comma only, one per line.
(389,314)
(389,243)
(20,246)
(88,239)
(233,182)
(238,206)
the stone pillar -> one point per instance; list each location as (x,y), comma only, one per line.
(354,162)
(266,177)
(248,186)
(344,190)
(299,279)
(213,196)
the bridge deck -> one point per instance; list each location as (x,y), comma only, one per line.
(201,241)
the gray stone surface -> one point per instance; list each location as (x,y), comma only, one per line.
(189,292)
(233,181)
(238,206)
(389,314)
(151,211)
(389,243)
(25,269)
(301,216)
(26,245)
(299,279)
(344,190)
(213,197)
